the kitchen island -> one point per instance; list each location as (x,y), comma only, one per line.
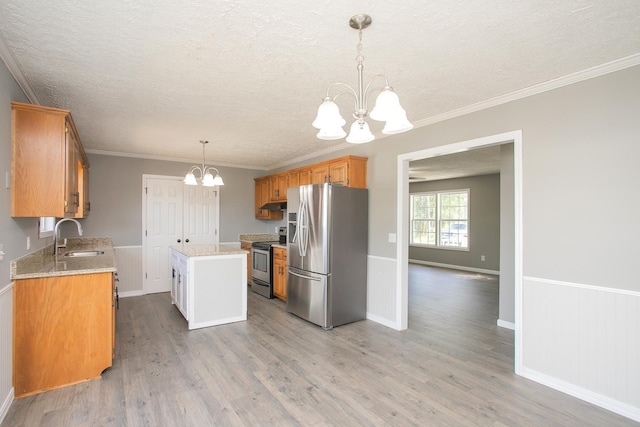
(209,284)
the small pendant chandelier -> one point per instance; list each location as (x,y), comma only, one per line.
(387,107)
(208,180)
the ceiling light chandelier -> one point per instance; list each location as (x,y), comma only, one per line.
(387,107)
(207,178)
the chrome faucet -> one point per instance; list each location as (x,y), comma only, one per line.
(56,244)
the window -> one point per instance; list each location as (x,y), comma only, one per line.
(440,219)
(45,226)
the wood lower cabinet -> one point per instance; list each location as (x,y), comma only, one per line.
(247,247)
(280,273)
(63,330)
(49,168)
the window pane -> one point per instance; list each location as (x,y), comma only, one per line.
(453,224)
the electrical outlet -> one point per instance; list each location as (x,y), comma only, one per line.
(1,252)
(392,237)
(28,242)
(482,258)
(7,180)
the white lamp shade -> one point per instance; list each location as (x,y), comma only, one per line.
(190,179)
(398,123)
(387,104)
(329,134)
(217,180)
(207,180)
(360,133)
(328,116)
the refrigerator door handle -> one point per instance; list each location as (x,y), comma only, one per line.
(316,279)
(304,228)
(295,235)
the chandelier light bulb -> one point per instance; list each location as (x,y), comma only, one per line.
(360,133)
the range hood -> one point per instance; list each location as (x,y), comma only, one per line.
(274,206)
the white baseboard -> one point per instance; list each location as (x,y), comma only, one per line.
(505,324)
(454,267)
(382,321)
(131,294)
(6,405)
(612,405)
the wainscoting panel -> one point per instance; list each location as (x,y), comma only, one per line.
(381,290)
(585,341)
(6,349)
(129,263)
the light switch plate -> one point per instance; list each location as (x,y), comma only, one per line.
(392,237)
(7,180)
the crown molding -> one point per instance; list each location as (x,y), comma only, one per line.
(17,73)
(589,73)
(171,159)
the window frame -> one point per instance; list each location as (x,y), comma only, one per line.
(438,220)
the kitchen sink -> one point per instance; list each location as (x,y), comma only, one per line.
(84,253)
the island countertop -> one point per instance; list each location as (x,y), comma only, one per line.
(42,263)
(207,250)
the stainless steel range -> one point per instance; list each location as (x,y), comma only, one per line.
(261,268)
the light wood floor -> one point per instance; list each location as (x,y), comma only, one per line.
(453,367)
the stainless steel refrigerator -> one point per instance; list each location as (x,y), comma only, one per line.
(327,253)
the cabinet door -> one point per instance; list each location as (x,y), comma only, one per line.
(77,346)
(339,173)
(278,188)
(304,177)
(320,174)
(72,196)
(293,179)
(280,273)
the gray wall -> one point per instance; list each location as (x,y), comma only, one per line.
(13,231)
(116,198)
(580,155)
(484,223)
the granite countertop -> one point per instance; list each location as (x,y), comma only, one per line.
(42,263)
(207,250)
(279,245)
(258,237)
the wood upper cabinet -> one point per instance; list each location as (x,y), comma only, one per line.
(262,196)
(280,273)
(350,171)
(48,164)
(278,188)
(77,346)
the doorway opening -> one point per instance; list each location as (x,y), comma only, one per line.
(402,248)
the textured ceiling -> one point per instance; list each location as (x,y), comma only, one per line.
(481,161)
(153,77)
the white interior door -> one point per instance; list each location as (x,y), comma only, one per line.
(162,228)
(201,206)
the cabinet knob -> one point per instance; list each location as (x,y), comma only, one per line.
(179,240)
(187,240)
